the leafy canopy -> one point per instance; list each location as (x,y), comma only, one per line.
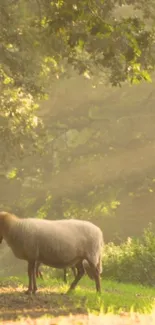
(39,39)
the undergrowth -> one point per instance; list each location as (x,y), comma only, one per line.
(132,261)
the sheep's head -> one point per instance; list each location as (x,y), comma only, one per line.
(4,220)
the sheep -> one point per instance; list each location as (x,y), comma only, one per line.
(39,273)
(56,243)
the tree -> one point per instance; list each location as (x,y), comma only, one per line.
(40,38)
(91,35)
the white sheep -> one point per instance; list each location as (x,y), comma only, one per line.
(56,243)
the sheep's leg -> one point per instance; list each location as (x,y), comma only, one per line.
(96,275)
(65,275)
(74,271)
(34,281)
(30,279)
(97,282)
(37,270)
(31,269)
(80,274)
(40,274)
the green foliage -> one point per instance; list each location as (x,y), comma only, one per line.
(19,123)
(132,261)
(43,211)
(12,173)
(40,39)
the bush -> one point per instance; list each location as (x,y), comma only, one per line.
(132,261)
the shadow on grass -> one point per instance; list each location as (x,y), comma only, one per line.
(15,304)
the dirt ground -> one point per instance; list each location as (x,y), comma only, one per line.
(14,303)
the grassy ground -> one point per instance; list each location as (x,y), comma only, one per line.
(84,304)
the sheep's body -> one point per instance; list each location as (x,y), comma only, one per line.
(56,243)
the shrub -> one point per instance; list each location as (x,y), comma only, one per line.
(132,261)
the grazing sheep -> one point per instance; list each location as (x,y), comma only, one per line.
(39,273)
(56,243)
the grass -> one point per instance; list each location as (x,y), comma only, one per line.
(51,300)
